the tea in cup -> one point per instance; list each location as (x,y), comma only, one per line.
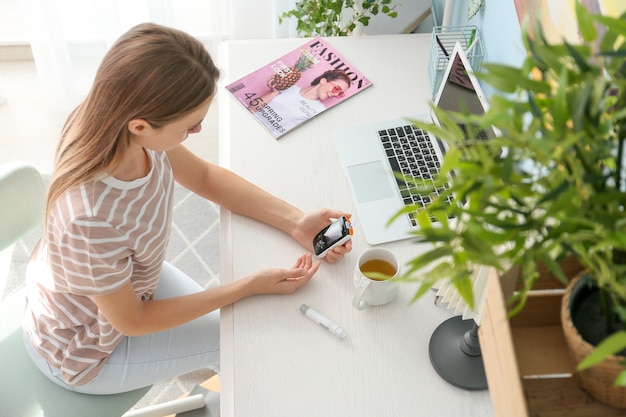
(373,278)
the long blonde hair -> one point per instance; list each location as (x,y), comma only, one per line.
(152,72)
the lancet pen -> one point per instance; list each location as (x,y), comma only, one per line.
(323,321)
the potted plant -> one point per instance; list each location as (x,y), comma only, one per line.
(335,17)
(559,187)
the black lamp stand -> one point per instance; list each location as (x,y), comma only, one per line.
(455,354)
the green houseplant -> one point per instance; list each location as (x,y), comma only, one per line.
(335,17)
(340,17)
(558,189)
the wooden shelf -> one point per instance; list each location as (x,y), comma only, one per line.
(527,364)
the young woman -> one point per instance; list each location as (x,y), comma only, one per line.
(106,314)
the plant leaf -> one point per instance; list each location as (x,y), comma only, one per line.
(609,346)
(585,23)
(508,79)
(474,7)
(620,381)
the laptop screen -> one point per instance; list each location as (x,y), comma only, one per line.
(460,91)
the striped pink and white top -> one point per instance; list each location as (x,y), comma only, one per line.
(100,236)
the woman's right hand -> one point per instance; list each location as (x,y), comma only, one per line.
(133,317)
(284,281)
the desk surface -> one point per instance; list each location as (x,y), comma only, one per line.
(276,362)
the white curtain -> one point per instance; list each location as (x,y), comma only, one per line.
(70,37)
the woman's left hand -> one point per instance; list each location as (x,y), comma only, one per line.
(310,225)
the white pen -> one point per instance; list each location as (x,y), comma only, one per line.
(323,321)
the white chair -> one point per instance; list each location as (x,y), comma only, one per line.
(24,390)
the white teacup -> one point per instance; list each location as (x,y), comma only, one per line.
(374,278)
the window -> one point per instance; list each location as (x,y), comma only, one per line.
(12,24)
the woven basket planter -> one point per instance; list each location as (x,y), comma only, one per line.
(598,380)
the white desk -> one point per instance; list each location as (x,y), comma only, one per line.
(275,361)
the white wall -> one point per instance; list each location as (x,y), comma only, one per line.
(253,19)
(501,32)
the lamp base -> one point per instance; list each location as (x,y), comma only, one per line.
(455,354)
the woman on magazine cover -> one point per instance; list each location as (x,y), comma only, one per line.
(106,313)
(292,106)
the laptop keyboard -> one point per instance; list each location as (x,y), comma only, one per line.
(411,153)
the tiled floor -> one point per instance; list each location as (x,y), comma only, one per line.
(28,131)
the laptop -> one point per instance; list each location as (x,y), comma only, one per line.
(370,154)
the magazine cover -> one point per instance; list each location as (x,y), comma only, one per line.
(298,86)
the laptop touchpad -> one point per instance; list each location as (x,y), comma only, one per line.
(370,182)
